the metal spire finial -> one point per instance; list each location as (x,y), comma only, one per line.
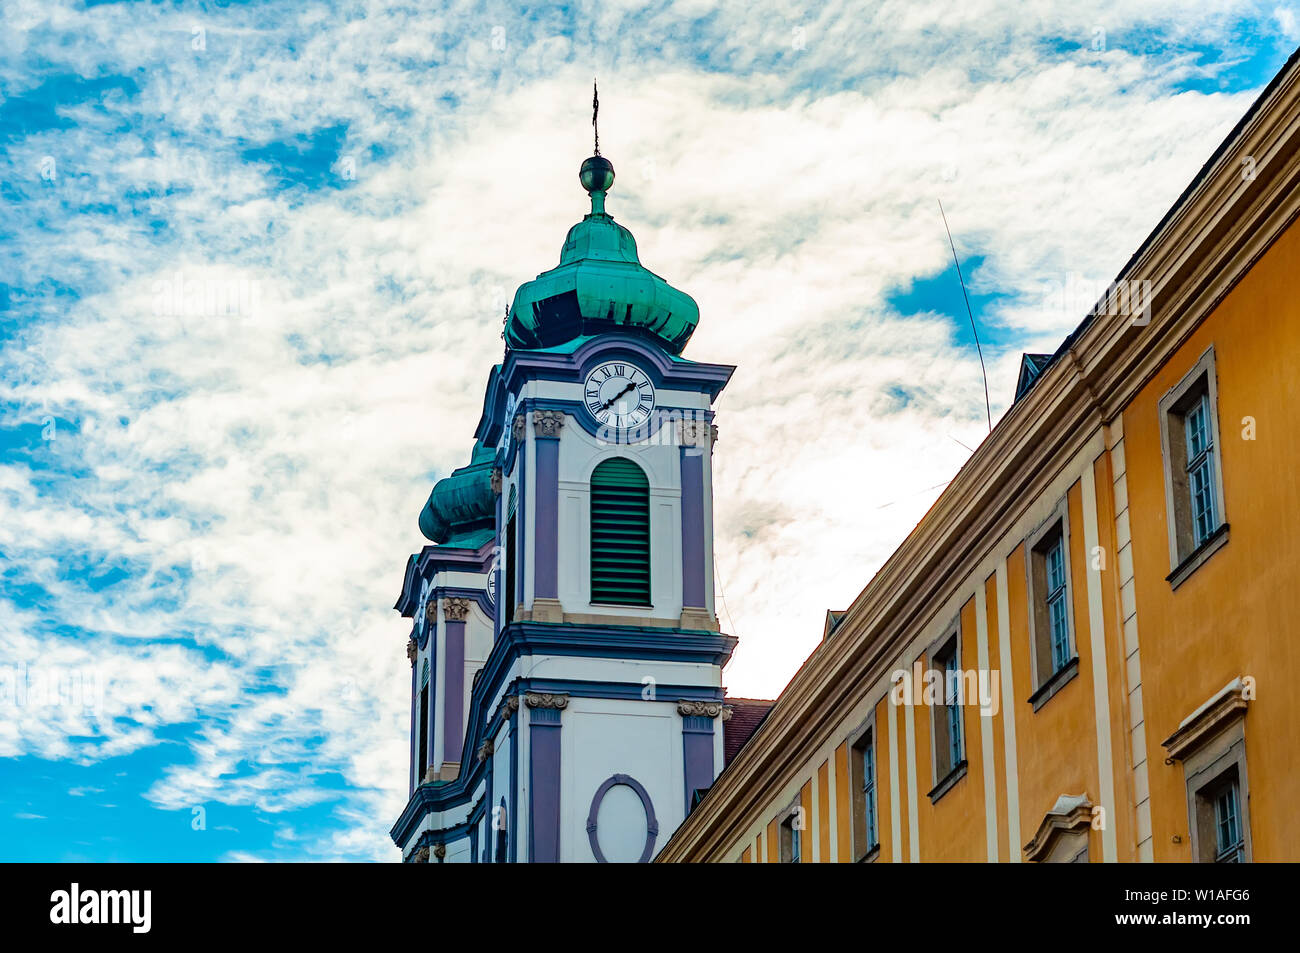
(595,110)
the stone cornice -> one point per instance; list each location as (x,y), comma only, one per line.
(1217,230)
(431,560)
(1207,721)
(1069,815)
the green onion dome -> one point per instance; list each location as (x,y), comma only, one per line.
(599,285)
(462,507)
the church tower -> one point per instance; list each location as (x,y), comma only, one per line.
(566,658)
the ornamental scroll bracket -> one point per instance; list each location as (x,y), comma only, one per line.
(546,700)
(688,709)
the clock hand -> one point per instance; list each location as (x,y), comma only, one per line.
(609,403)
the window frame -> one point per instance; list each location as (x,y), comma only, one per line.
(1189,549)
(791,844)
(954,765)
(866,847)
(422,692)
(1221,760)
(1049,677)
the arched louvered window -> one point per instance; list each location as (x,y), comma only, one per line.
(620,534)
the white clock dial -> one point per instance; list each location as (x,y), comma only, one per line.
(619,394)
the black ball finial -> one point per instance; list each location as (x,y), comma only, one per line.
(596,174)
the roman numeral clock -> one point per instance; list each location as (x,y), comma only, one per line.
(619,394)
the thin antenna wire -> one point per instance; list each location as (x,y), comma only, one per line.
(595,110)
(731,623)
(987,408)
(917,493)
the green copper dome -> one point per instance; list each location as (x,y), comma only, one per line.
(599,285)
(462,507)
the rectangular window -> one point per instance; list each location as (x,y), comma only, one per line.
(509,588)
(1050,609)
(422,743)
(863,768)
(1229,843)
(1194,508)
(792,837)
(1219,813)
(1200,474)
(947,715)
(1211,744)
(1057,611)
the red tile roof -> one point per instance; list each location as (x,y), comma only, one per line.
(746,715)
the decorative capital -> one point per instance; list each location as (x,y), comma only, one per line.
(421,856)
(455,609)
(440,851)
(485,750)
(509,705)
(689,709)
(496,481)
(546,700)
(431,609)
(726,712)
(412,650)
(517,428)
(696,433)
(547,423)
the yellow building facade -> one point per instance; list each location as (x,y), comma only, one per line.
(1085,650)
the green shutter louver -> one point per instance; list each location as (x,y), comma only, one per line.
(620,534)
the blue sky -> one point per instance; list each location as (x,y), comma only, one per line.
(253,258)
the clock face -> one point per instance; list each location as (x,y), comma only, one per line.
(619,394)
